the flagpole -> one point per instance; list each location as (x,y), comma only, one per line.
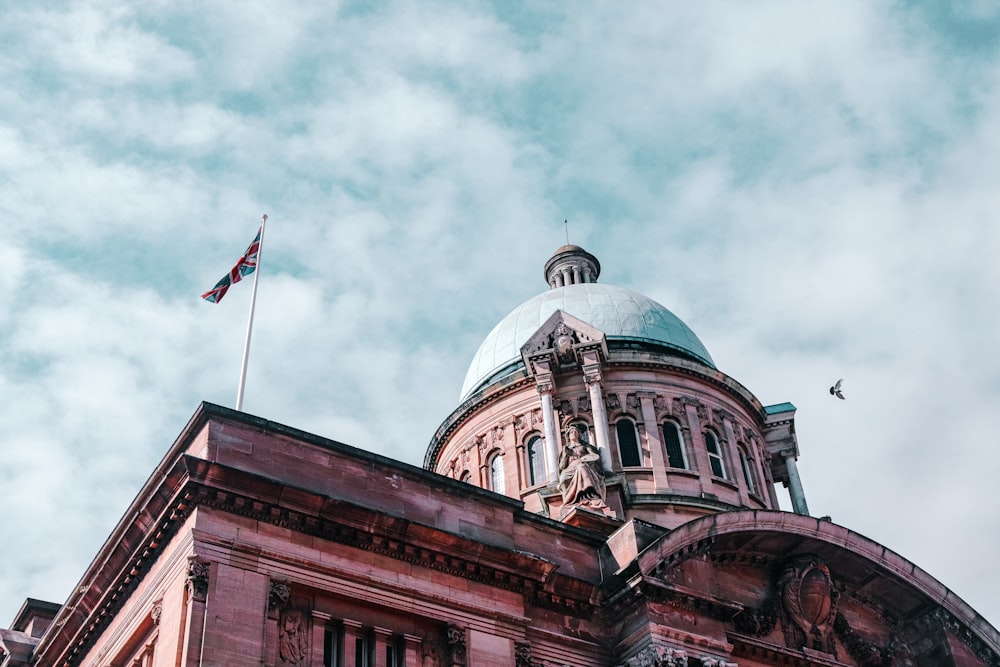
(253,303)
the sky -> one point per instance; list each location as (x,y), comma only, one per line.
(811,187)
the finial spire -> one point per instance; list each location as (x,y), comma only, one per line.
(566,224)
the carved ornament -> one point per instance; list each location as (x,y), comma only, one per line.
(810,600)
(197,579)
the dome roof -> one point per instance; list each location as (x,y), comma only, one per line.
(623,315)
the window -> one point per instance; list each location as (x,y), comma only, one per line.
(536,460)
(361,651)
(748,472)
(628,443)
(466,477)
(391,656)
(333,639)
(715,455)
(676,458)
(496,474)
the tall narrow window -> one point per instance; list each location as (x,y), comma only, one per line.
(536,460)
(333,639)
(361,652)
(715,455)
(748,472)
(496,475)
(676,458)
(628,443)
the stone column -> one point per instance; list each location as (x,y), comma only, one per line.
(197,598)
(382,637)
(739,476)
(576,275)
(548,423)
(697,440)
(657,450)
(352,631)
(317,644)
(592,377)
(795,485)
(411,651)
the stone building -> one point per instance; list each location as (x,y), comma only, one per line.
(603,496)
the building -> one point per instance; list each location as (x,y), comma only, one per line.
(602,496)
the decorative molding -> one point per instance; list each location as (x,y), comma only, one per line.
(277,597)
(456,645)
(810,600)
(156,611)
(197,578)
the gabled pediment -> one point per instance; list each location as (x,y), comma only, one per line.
(564,342)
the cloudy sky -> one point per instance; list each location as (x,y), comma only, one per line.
(812,187)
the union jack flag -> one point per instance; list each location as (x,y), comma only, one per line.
(246,265)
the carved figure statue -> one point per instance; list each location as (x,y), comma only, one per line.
(563,343)
(581,478)
(293,642)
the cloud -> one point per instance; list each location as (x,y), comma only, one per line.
(812,190)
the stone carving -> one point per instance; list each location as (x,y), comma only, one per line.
(293,638)
(562,342)
(758,622)
(658,656)
(565,407)
(581,478)
(868,654)
(810,600)
(456,645)
(613,402)
(156,612)
(708,661)
(197,579)
(277,597)
(522,654)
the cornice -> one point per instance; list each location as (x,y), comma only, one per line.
(205,484)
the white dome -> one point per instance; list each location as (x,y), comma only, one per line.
(623,315)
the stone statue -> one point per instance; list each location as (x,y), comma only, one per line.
(581,478)
(293,643)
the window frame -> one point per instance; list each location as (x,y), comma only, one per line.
(749,471)
(712,438)
(497,473)
(635,435)
(529,447)
(669,423)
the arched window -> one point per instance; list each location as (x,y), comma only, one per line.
(628,443)
(536,460)
(715,455)
(676,457)
(748,472)
(496,475)
(466,477)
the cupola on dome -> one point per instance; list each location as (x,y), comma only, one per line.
(622,315)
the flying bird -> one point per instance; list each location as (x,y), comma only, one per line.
(835,390)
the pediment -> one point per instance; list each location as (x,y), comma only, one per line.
(564,341)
